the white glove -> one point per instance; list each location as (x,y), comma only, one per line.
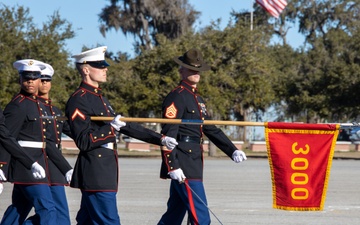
(116,123)
(239,156)
(1,188)
(178,175)
(2,176)
(38,171)
(68,175)
(169,142)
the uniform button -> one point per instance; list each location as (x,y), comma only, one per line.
(57,125)
(1,165)
(44,122)
(190,150)
(193,111)
(171,167)
(49,121)
(44,136)
(168,156)
(99,155)
(102,135)
(58,132)
(95,137)
(44,130)
(169,161)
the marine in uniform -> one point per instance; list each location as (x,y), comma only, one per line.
(23,119)
(59,169)
(96,169)
(10,148)
(184,164)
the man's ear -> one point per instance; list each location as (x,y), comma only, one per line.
(85,71)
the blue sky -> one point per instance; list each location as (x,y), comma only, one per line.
(83,14)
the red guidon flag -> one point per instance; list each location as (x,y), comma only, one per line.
(300,157)
(274,7)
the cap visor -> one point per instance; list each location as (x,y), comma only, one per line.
(98,64)
(30,75)
(45,77)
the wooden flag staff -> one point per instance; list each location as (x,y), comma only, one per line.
(185,121)
(180,121)
(161,120)
(199,122)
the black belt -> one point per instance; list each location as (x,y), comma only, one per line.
(190,139)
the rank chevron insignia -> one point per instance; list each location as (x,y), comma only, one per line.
(171,111)
(77,113)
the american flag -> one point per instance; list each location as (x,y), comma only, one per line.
(274,7)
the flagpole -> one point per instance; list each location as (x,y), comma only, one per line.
(200,122)
(251,14)
(180,121)
(187,121)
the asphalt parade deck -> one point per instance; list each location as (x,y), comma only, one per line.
(237,193)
